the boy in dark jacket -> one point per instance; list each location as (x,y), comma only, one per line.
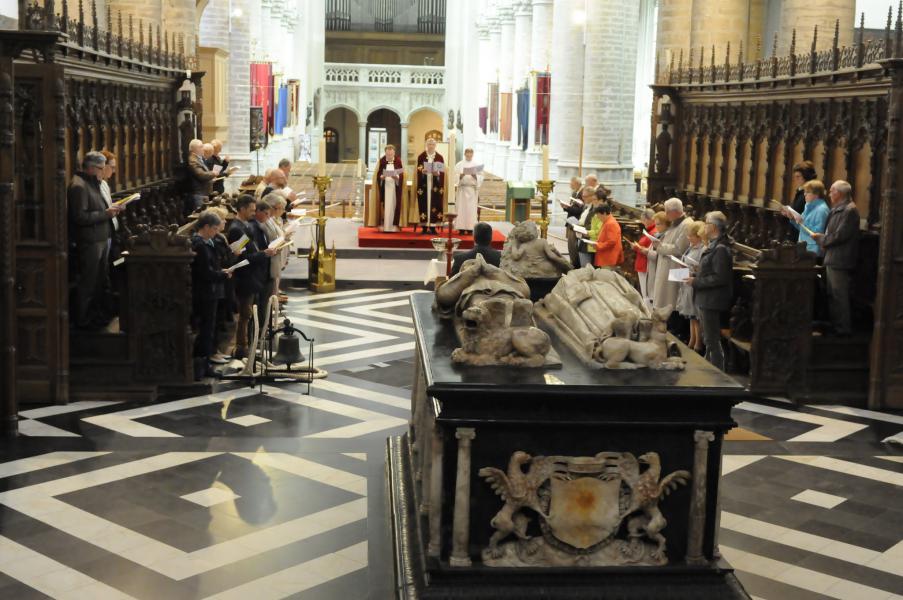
(207,278)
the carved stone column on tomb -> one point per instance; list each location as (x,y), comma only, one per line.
(460,556)
(609,88)
(506,74)
(800,15)
(566,115)
(523,25)
(540,59)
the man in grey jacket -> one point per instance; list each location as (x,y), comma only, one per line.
(841,243)
(91,229)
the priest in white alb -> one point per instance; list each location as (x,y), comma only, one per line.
(470,178)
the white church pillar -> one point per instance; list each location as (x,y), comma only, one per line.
(495,48)
(540,59)
(566,115)
(506,74)
(523,25)
(404,144)
(362,140)
(480,95)
(609,88)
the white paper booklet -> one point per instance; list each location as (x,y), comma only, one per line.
(678,275)
(240,243)
(237,266)
(217,169)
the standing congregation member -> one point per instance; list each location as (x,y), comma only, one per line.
(388,186)
(641,261)
(686,304)
(215,160)
(840,242)
(467,196)
(251,280)
(274,231)
(609,249)
(713,285)
(573,209)
(673,242)
(584,250)
(91,219)
(802,172)
(207,279)
(430,189)
(814,216)
(200,177)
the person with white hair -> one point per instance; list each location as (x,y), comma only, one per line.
(841,244)
(200,177)
(673,242)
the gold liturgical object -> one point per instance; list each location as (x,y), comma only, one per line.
(321,262)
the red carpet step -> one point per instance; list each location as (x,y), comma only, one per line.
(371,237)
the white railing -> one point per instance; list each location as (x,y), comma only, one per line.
(384,76)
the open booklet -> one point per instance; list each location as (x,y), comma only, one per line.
(433,168)
(475,170)
(238,266)
(217,169)
(127,200)
(679,275)
(239,244)
(654,239)
(580,229)
(393,173)
(691,262)
(572,202)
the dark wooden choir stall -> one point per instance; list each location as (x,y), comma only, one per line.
(67,87)
(726,135)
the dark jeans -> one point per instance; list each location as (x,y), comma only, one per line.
(838,281)
(710,320)
(205,313)
(93,278)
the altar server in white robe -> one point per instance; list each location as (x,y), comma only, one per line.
(467,195)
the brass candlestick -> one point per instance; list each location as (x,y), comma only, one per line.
(449,247)
(545,188)
(321,262)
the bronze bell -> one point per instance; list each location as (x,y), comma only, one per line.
(288,349)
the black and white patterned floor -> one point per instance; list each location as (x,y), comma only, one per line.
(243,494)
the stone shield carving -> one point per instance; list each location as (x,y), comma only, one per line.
(582,504)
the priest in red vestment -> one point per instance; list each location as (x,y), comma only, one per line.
(430,188)
(389,178)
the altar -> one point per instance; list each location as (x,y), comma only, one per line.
(516,483)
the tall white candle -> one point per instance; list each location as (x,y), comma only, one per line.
(321,167)
(545,163)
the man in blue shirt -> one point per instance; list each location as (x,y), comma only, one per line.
(814,217)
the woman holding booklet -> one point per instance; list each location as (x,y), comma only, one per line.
(686,304)
(389,185)
(814,217)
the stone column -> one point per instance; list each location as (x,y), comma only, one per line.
(698,493)
(674,27)
(566,115)
(506,76)
(404,144)
(523,26)
(540,61)
(804,17)
(480,94)
(609,80)
(460,557)
(362,141)
(495,48)
(434,518)
(717,22)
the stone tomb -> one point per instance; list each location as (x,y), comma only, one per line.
(573,482)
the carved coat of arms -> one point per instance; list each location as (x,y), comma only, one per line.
(582,503)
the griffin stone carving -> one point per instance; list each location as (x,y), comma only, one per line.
(581,503)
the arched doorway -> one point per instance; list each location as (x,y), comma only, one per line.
(423,123)
(332,144)
(390,121)
(344,123)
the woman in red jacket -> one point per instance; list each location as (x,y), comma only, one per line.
(609,251)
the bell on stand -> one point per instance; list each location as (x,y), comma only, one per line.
(288,351)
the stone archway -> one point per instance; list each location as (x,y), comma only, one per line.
(390,121)
(344,122)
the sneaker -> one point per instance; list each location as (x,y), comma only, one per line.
(219,359)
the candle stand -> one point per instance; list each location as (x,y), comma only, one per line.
(545,187)
(321,262)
